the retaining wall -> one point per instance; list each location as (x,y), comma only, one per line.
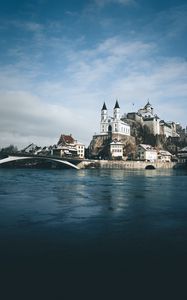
(108,164)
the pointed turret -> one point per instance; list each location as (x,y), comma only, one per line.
(117,111)
(116,105)
(104,118)
(148,104)
(148,107)
(104,106)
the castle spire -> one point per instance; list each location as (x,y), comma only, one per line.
(148,103)
(117,104)
(104,106)
(116,111)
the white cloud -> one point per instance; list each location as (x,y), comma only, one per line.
(129,71)
(25,118)
(70,99)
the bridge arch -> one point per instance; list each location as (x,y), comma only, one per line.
(16,158)
(150,167)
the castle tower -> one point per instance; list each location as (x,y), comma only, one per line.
(148,107)
(116,111)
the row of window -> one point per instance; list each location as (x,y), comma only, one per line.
(126,130)
(116,150)
(116,146)
(123,129)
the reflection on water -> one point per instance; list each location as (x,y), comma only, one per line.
(32,200)
(111,222)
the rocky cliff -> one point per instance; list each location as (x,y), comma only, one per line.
(100,145)
(140,134)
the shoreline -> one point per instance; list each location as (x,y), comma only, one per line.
(125,165)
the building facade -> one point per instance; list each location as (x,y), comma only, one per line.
(68,146)
(146,116)
(80,150)
(113,124)
(149,119)
(146,153)
(116,150)
(182,154)
(164,156)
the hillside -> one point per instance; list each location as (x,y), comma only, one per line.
(100,145)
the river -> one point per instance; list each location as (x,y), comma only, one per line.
(71,229)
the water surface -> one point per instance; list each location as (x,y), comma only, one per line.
(116,225)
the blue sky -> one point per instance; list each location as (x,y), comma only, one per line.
(60,60)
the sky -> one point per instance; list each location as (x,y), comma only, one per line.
(60,60)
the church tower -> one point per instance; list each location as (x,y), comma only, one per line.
(104,113)
(104,119)
(116,111)
(110,126)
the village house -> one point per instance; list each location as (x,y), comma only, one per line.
(116,150)
(146,153)
(164,156)
(182,155)
(68,146)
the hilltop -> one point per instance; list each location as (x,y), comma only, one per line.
(132,129)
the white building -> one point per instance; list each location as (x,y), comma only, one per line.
(146,116)
(165,129)
(80,150)
(116,149)
(164,156)
(147,111)
(173,126)
(64,151)
(182,154)
(168,129)
(146,152)
(149,119)
(113,124)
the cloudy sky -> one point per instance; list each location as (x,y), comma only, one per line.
(60,60)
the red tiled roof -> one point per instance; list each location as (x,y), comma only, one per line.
(66,139)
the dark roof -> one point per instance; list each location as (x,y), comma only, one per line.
(117,104)
(148,104)
(104,106)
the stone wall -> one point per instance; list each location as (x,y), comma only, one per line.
(122,165)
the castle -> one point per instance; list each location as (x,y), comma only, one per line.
(149,119)
(119,136)
(146,116)
(119,126)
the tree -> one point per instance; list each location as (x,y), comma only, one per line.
(11,149)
